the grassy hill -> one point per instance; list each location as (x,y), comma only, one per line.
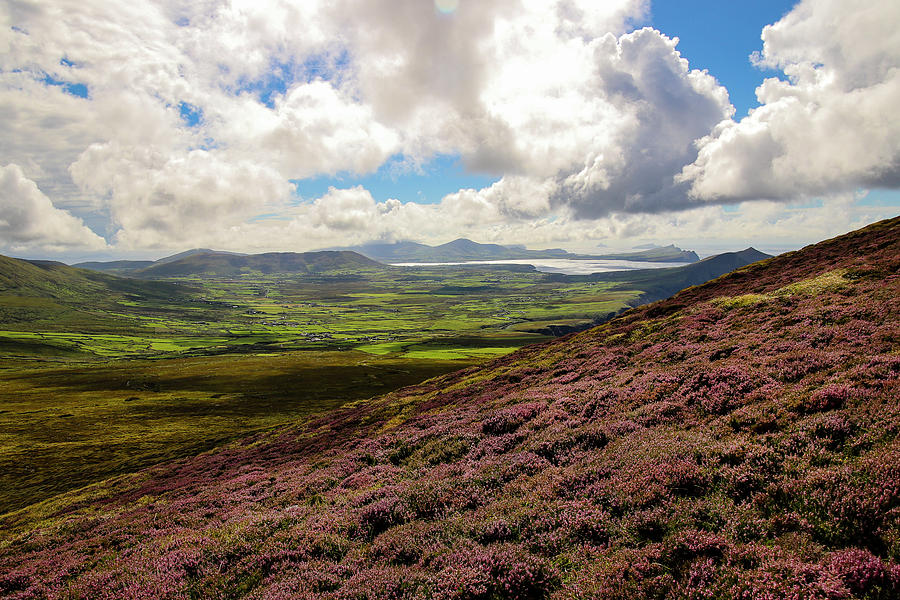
(738,440)
(37,294)
(115,267)
(219,264)
(55,280)
(656,284)
(126,267)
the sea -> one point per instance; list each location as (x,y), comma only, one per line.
(566,266)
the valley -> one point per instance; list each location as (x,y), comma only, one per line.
(738,439)
(450,300)
(104,375)
(458,313)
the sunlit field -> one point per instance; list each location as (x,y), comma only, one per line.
(97,384)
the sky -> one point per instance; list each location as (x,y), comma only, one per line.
(139,130)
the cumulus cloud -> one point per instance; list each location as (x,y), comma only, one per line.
(313,129)
(661,107)
(555,93)
(830,126)
(183,123)
(44,131)
(160,199)
(29,220)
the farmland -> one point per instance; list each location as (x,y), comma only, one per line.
(452,314)
(98,382)
(738,440)
(103,375)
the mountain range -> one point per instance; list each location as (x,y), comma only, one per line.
(218,262)
(202,262)
(663,282)
(737,440)
(463,249)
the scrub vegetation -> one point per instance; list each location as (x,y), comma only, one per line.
(738,440)
(64,425)
(103,375)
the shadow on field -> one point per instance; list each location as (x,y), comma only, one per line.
(66,427)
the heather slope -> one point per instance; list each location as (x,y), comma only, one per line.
(738,440)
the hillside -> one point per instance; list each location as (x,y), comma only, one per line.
(656,284)
(126,267)
(28,278)
(670,253)
(38,299)
(464,249)
(738,440)
(115,267)
(193,252)
(220,264)
(57,281)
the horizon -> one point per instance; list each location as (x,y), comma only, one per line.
(549,125)
(358,249)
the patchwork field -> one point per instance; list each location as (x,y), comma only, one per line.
(103,375)
(444,313)
(95,384)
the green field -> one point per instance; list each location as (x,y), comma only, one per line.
(102,376)
(491,311)
(68,424)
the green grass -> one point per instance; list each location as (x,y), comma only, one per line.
(103,376)
(214,316)
(63,426)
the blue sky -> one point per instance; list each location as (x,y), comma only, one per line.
(426,184)
(143,129)
(713,35)
(720,36)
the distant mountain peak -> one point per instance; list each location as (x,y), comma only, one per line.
(463,249)
(194,252)
(229,264)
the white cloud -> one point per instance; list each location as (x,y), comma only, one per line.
(44,130)
(555,92)
(160,199)
(28,220)
(587,125)
(830,126)
(313,129)
(351,209)
(661,107)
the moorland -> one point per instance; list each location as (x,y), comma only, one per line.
(103,375)
(737,440)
